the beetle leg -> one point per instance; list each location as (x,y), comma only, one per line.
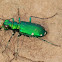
(18,15)
(16,48)
(13,19)
(8,42)
(45,18)
(19,19)
(30,19)
(49,42)
(18,11)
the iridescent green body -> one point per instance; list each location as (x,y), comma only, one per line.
(27,28)
(31,29)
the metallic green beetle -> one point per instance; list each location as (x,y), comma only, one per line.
(26,28)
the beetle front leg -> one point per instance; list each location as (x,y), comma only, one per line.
(8,42)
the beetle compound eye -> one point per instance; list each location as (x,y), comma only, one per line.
(6,26)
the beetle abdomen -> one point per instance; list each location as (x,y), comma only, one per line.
(31,29)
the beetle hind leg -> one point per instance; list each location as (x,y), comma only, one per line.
(45,18)
(49,42)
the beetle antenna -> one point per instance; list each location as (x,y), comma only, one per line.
(45,18)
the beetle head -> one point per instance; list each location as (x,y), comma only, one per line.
(6,24)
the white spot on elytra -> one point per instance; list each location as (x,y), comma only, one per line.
(32,34)
(41,35)
(44,33)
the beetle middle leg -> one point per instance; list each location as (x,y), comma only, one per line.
(16,49)
(17,56)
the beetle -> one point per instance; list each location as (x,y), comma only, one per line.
(25,28)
